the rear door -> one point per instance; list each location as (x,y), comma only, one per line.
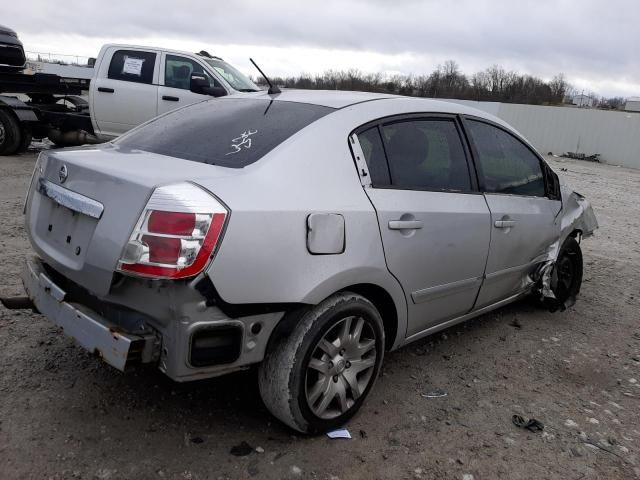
(433,222)
(126,90)
(523,206)
(173,91)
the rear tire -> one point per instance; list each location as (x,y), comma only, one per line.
(566,277)
(9,133)
(317,375)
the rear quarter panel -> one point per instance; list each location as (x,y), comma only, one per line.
(263,256)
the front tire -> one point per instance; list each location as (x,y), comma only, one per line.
(316,376)
(566,277)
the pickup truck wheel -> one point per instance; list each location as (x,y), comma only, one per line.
(566,277)
(317,376)
(9,133)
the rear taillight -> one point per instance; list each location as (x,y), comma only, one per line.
(177,233)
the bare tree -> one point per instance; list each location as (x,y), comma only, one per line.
(445,81)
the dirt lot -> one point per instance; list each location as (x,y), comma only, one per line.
(63,414)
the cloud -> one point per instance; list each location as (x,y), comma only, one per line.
(592,41)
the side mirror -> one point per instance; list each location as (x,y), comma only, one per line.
(216,91)
(200,84)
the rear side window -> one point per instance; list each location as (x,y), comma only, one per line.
(426,154)
(373,151)
(506,164)
(132,66)
(227,132)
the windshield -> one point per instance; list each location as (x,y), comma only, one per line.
(237,80)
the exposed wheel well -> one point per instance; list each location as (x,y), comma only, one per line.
(384,303)
(375,294)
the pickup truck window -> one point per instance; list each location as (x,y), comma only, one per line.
(132,66)
(178,70)
(229,132)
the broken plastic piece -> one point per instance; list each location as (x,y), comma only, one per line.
(340,433)
(532,424)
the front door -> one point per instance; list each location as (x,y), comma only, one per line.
(433,222)
(524,213)
(174,92)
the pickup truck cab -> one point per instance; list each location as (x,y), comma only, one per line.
(133,84)
(128,85)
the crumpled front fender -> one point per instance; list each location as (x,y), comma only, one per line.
(576,216)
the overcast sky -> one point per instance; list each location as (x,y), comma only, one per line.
(595,43)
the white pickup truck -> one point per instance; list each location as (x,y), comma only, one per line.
(133,84)
(130,85)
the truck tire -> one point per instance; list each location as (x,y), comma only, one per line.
(316,375)
(9,133)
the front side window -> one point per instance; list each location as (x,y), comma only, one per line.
(426,154)
(506,164)
(132,66)
(178,70)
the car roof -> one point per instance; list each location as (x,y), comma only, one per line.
(324,98)
(338,99)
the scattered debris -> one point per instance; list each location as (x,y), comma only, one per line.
(582,156)
(241,450)
(363,434)
(296,470)
(259,450)
(340,433)
(196,440)
(532,424)
(435,394)
(515,323)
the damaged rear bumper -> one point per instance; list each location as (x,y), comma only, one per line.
(92,331)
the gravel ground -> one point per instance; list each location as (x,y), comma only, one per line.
(63,414)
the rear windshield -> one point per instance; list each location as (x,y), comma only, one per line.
(227,132)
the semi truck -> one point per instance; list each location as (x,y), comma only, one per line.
(130,85)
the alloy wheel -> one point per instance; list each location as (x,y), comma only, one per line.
(341,367)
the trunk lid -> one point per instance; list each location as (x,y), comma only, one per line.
(83,204)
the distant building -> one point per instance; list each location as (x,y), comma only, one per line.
(583,100)
(633,104)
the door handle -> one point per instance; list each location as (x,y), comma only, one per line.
(170,98)
(106,90)
(504,223)
(405,224)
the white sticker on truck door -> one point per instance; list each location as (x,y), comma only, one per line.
(132,66)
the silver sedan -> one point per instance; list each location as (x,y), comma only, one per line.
(305,233)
